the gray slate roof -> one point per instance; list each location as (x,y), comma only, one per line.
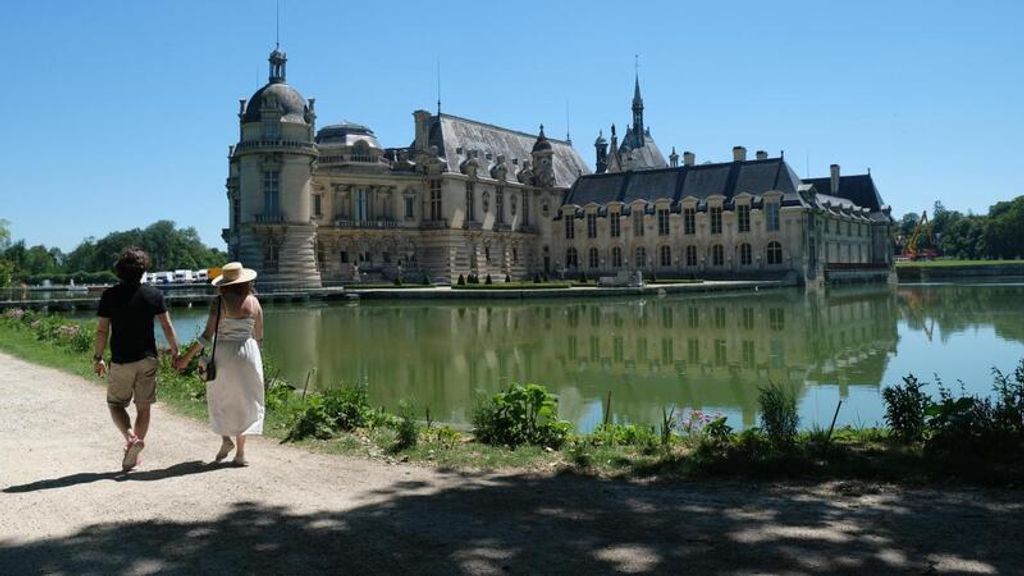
(859,189)
(452,133)
(640,156)
(294,107)
(727,179)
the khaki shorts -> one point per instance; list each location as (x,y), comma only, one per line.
(134,379)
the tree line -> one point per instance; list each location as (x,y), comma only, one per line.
(92,260)
(996,235)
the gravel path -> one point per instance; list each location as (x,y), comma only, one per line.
(64,509)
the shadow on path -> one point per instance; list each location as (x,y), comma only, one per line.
(180,469)
(521,524)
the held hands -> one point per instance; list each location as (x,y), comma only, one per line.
(181,362)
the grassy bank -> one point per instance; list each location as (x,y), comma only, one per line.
(927,440)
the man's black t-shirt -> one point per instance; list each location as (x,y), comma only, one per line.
(131,308)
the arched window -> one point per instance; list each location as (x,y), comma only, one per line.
(746,259)
(593,259)
(616,257)
(571,258)
(361,152)
(717,255)
(665,256)
(641,257)
(774,253)
(691,255)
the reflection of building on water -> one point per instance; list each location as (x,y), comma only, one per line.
(703,352)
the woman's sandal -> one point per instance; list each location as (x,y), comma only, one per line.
(226,446)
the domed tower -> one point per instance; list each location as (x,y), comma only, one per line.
(271,170)
(543,169)
(601,150)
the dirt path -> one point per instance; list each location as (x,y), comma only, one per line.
(65,510)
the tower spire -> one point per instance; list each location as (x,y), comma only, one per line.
(638,104)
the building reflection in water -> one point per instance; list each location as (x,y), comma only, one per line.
(705,352)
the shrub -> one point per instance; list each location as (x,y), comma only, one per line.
(406,427)
(278,395)
(508,279)
(536,278)
(461,281)
(520,415)
(426,280)
(643,437)
(905,407)
(348,406)
(312,421)
(446,436)
(1009,409)
(398,280)
(488,280)
(778,415)
(583,278)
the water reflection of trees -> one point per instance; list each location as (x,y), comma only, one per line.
(649,352)
(944,310)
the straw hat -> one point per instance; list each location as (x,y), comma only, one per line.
(234,273)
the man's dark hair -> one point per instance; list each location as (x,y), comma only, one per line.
(132,264)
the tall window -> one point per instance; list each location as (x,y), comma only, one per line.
(774,253)
(570,227)
(641,257)
(691,255)
(591,225)
(271,193)
(638,222)
(616,257)
(716,219)
(663,222)
(408,207)
(321,256)
(362,204)
(593,258)
(270,255)
(689,221)
(717,255)
(743,217)
(772,216)
(271,129)
(436,212)
(746,257)
(665,254)
(526,208)
(317,205)
(499,205)
(571,258)
(613,218)
(470,201)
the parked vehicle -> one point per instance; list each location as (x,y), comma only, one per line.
(182,276)
(201,276)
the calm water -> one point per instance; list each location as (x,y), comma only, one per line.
(708,352)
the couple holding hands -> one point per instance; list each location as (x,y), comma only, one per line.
(234,331)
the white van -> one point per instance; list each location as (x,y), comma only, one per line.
(182,276)
(201,276)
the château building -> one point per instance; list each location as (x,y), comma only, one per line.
(312,207)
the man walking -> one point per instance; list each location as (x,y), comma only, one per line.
(126,313)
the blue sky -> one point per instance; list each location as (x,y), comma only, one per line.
(119,114)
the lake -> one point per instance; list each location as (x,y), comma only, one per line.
(685,351)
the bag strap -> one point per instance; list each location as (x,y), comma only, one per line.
(216,327)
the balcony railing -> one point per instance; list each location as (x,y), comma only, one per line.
(349,223)
(472,225)
(276,143)
(434,224)
(270,218)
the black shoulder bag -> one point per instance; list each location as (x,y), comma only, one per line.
(207,366)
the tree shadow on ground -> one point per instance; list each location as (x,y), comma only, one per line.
(519,524)
(180,469)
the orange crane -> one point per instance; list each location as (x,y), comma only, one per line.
(910,250)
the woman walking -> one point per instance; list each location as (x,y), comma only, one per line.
(235,396)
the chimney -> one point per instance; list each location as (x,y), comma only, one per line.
(689,159)
(762,155)
(834,170)
(422,119)
(739,154)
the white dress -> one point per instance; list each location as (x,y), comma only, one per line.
(235,397)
